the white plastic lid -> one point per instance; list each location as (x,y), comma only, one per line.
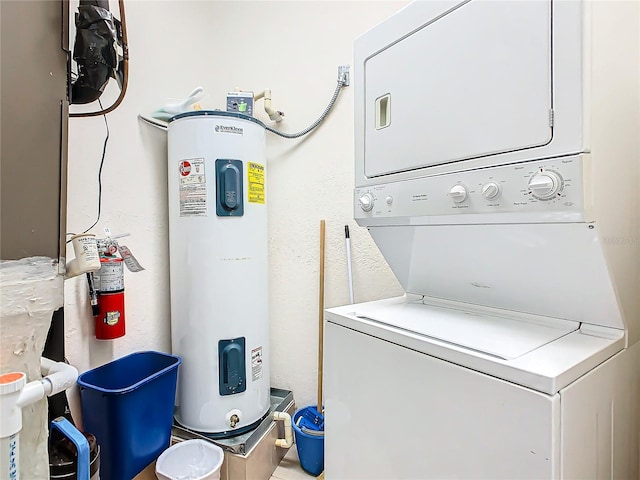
(12,382)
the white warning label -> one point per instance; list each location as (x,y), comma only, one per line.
(256,363)
(193,188)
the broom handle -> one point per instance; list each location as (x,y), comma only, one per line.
(321,317)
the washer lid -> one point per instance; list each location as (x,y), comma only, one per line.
(553,357)
(505,338)
(554,270)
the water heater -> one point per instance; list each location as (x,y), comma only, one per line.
(218,266)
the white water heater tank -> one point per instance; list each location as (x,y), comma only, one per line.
(218,266)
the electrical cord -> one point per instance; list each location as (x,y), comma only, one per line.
(104,151)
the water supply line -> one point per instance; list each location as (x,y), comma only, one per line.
(15,394)
(274,115)
(287,441)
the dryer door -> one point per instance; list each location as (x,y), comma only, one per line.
(473,82)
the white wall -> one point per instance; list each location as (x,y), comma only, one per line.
(615,147)
(293,48)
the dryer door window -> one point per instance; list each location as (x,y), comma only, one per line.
(473,83)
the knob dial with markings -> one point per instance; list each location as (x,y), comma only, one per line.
(458,193)
(545,185)
(490,190)
(366,202)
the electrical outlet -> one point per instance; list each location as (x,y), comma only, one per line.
(343,75)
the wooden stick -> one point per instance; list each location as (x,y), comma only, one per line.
(321,317)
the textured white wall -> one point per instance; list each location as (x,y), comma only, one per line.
(293,48)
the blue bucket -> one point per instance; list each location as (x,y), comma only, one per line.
(310,447)
(128,405)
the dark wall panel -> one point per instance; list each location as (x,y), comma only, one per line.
(33,117)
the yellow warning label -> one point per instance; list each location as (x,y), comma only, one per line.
(255,179)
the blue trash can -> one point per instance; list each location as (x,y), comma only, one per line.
(310,447)
(128,405)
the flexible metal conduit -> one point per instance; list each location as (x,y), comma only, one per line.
(341,83)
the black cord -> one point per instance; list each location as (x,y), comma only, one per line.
(104,151)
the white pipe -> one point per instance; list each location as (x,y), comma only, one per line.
(61,376)
(274,115)
(10,455)
(260,95)
(288,432)
(14,395)
(58,377)
(11,384)
(31,393)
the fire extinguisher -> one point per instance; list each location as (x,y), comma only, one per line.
(108,283)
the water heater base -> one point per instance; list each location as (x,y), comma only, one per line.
(250,456)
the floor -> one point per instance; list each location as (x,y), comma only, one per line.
(290,469)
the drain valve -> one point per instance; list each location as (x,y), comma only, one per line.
(233,417)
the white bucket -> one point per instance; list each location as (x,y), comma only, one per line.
(190,460)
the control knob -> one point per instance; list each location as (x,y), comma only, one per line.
(490,190)
(366,202)
(458,193)
(545,185)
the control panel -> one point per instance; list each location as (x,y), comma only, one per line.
(547,189)
(240,102)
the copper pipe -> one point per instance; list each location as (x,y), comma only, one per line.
(125,79)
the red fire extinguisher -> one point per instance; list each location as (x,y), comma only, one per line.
(109,285)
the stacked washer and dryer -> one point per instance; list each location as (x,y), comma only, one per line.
(497,166)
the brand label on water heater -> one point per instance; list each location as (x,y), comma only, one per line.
(229,129)
(255,179)
(256,363)
(193,188)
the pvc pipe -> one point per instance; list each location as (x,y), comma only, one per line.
(11,384)
(15,394)
(274,115)
(60,375)
(288,432)
(10,457)
(31,393)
